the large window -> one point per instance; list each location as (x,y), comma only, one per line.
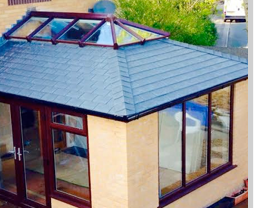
(70,153)
(195,143)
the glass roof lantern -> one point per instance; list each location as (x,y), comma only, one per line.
(83,29)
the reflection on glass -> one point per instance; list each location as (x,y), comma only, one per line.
(7,162)
(52,28)
(102,36)
(71,164)
(67,120)
(196,137)
(170,149)
(143,33)
(220,127)
(32,155)
(32,24)
(123,37)
(81,28)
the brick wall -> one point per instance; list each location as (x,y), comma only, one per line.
(10,14)
(124,162)
(142,148)
(108,163)
(58,204)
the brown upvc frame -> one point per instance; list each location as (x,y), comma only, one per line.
(48,163)
(65,197)
(30,36)
(143,27)
(90,33)
(210,174)
(76,16)
(73,22)
(20,199)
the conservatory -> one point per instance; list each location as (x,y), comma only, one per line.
(97,111)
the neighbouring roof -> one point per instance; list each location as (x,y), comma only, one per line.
(120,84)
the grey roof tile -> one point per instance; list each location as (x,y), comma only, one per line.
(120,82)
(49,97)
(75,102)
(62,99)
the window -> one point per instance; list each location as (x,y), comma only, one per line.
(32,24)
(170,144)
(194,143)
(16,2)
(79,29)
(71,157)
(67,120)
(52,28)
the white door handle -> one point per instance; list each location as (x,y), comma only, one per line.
(19,154)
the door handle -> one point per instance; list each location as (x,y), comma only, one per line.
(19,154)
(14,150)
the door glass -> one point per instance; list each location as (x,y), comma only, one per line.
(7,162)
(32,155)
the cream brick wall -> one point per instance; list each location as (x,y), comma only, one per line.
(124,162)
(10,14)
(232,180)
(142,147)
(58,204)
(108,163)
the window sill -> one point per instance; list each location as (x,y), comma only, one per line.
(169,198)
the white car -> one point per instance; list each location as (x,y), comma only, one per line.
(234,10)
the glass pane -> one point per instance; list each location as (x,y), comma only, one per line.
(143,33)
(220,127)
(71,164)
(7,162)
(67,120)
(102,36)
(196,137)
(81,28)
(32,155)
(52,28)
(123,37)
(27,28)
(170,149)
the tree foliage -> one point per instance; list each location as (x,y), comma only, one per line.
(187,20)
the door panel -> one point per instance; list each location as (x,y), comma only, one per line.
(7,151)
(32,152)
(23,155)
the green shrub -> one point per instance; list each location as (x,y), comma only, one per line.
(187,20)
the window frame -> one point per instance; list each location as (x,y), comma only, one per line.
(58,195)
(210,174)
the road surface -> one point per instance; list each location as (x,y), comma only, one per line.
(229,34)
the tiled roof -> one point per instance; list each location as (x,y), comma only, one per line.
(120,83)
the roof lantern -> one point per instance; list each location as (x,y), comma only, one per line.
(83,29)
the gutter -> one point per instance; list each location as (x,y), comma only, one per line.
(184,99)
